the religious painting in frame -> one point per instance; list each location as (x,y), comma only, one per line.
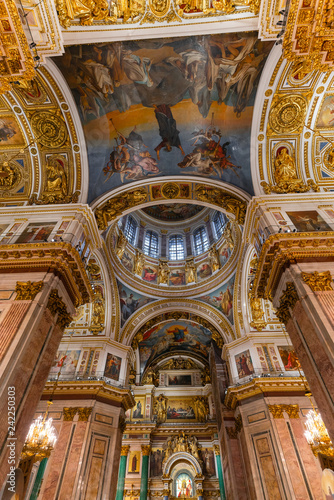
(36,231)
(134,462)
(66,362)
(138,409)
(289,357)
(10,132)
(244,364)
(179,379)
(156,459)
(180,409)
(177,277)
(150,273)
(308,220)
(113,366)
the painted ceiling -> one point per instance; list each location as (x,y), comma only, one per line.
(166,107)
(173,212)
(174,337)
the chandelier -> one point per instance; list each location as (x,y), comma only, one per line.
(41,438)
(316,433)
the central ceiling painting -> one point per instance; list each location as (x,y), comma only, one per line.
(166,107)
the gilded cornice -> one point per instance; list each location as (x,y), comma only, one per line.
(279,250)
(90,389)
(263,385)
(58,257)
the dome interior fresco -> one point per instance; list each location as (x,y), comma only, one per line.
(160,107)
(173,212)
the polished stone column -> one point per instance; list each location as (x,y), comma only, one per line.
(220,473)
(38,479)
(121,472)
(146,450)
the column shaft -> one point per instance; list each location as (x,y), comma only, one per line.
(38,479)
(220,478)
(144,478)
(121,478)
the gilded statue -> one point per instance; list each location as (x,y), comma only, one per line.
(7,175)
(98,313)
(201,408)
(139,263)
(214,258)
(285,168)
(194,447)
(160,408)
(121,244)
(223,5)
(228,235)
(190,270)
(257,313)
(164,272)
(150,378)
(85,10)
(169,449)
(56,181)
(205,376)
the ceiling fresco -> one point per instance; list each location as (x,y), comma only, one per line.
(130,301)
(175,336)
(173,212)
(166,107)
(222,299)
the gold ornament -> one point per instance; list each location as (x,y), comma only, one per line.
(285,175)
(69,413)
(318,282)
(216,449)
(50,129)
(27,290)
(159,8)
(276,411)
(287,113)
(57,306)
(201,408)
(139,263)
(170,190)
(121,245)
(223,199)
(115,206)
(287,301)
(125,450)
(84,413)
(257,314)
(98,314)
(292,410)
(146,450)
(214,258)
(85,10)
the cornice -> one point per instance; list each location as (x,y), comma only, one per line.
(57,257)
(90,389)
(265,386)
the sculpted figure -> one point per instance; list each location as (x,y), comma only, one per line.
(139,263)
(194,447)
(214,259)
(164,273)
(86,10)
(201,408)
(56,183)
(228,235)
(256,306)
(285,168)
(7,175)
(160,407)
(121,244)
(190,269)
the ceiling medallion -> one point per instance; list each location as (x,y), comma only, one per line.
(10,176)
(287,113)
(49,128)
(170,190)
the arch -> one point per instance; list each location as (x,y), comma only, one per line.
(144,318)
(181,457)
(210,193)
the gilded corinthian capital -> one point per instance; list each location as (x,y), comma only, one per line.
(27,290)
(318,282)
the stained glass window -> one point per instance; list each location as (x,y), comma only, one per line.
(184,486)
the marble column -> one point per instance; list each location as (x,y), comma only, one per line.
(38,479)
(121,472)
(220,473)
(146,450)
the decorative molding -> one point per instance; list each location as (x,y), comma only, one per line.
(277,410)
(27,290)
(318,282)
(216,449)
(287,302)
(57,306)
(69,413)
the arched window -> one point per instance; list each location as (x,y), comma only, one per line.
(219,222)
(130,230)
(176,247)
(151,244)
(201,241)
